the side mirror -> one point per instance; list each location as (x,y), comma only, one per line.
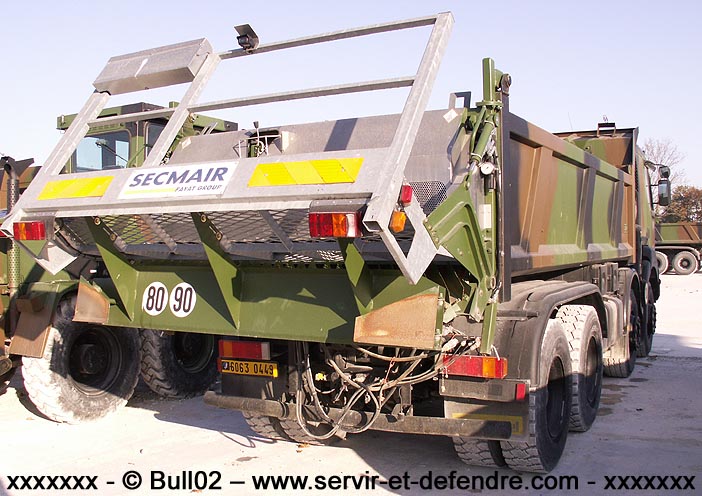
(663,192)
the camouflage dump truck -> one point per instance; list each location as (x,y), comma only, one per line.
(33,300)
(458,272)
(678,244)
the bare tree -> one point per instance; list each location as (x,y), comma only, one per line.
(665,152)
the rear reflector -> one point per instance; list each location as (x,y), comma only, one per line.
(335,225)
(252,350)
(476,366)
(29,231)
(520,392)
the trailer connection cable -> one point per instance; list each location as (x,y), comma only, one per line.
(306,385)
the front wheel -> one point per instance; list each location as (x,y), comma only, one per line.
(87,371)
(5,380)
(179,364)
(663,262)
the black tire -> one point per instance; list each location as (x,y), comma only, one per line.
(179,364)
(622,364)
(294,432)
(87,370)
(5,380)
(479,452)
(648,326)
(582,327)
(663,262)
(549,408)
(268,427)
(684,263)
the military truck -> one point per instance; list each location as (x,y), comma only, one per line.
(172,365)
(458,272)
(678,246)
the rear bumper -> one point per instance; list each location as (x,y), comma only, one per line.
(469,427)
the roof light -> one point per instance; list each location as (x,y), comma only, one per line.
(486,367)
(335,225)
(29,231)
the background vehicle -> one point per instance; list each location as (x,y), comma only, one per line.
(458,271)
(86,371)
(678,247)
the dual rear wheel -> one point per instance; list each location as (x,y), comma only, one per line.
(567,399)
(89,370)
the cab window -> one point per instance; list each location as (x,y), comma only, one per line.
(102,152)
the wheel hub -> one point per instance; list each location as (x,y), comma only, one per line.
(92,359)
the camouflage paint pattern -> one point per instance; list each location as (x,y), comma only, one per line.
(564,206)
(679,233)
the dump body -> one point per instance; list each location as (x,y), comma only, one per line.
(679,233)
(678,245)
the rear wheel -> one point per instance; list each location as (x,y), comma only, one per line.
(268,427)
(87,370)
(684,263)
(621,363)
(480,452)
(178,365)
(549,408)
(663,262)
(648,326)
(292,429)
(582,327)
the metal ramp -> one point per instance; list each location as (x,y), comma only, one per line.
(146,208)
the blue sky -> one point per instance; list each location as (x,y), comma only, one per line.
(637,62)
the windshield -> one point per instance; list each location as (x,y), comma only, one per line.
(101,152)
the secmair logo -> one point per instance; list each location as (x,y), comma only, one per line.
(179,180)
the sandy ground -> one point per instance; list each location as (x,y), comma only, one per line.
(649,425)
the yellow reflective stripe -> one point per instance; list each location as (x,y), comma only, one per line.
(330,171)
(75,188)
(515,420)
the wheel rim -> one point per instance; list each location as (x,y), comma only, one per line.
(193,351)
(556,405)
(95,360)
(592,375)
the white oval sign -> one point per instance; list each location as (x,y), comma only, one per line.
(155,298)
(182,300)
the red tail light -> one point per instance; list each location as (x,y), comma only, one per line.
(335,225)
(476,366)
(251,350)
(29,231)
(405,195)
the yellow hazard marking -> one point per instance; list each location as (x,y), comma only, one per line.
(515,420)
(75,188)
(330,171)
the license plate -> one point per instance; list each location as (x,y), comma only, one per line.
(241,367)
